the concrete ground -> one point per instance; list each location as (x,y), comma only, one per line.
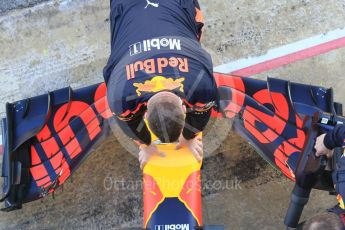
(6,5)
(63,42)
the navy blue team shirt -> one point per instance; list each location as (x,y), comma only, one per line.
(155,47)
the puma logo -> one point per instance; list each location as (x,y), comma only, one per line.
(151,3)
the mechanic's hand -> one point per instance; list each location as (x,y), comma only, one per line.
(321,149)
(146,151)
(195,145)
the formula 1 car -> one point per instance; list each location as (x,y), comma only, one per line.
(47,137)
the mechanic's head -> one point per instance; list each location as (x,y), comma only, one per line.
(165,116)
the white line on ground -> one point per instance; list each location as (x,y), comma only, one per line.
(281,51)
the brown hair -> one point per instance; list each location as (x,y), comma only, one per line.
(166,120)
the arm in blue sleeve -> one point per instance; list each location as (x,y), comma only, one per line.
(136,129)
(335,138)
(195,122)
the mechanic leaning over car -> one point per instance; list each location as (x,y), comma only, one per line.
(158,71)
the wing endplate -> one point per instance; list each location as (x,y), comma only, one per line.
(47,137)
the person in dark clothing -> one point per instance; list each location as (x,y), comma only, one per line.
(158,70)
(327,142)
(324,145)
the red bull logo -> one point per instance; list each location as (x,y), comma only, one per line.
(157,66)
(159,83)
